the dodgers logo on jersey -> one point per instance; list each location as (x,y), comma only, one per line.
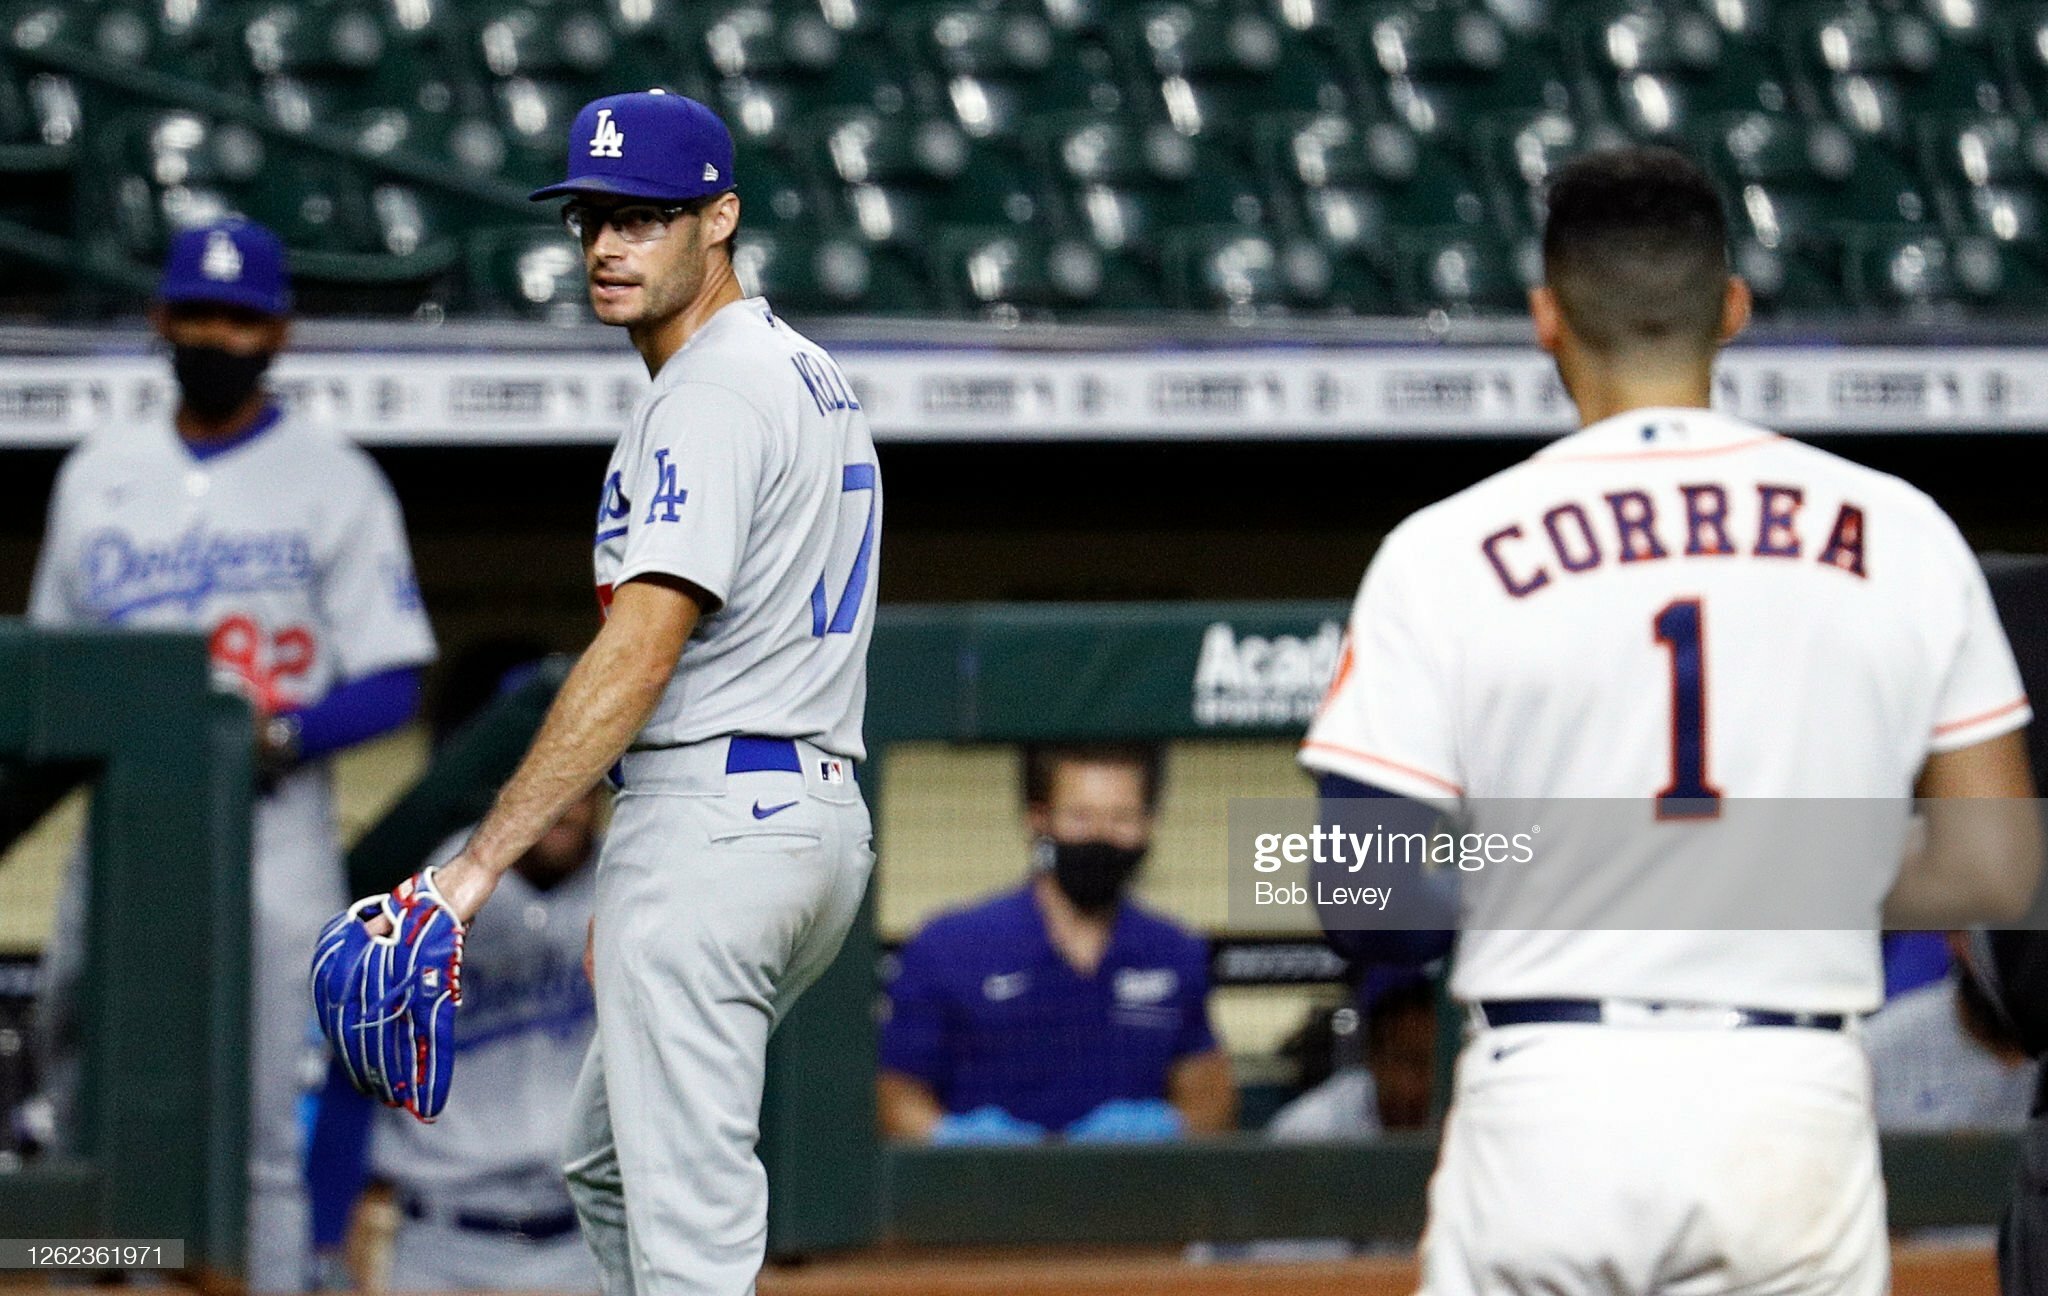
(613,508)
(668,494)
(609,141)
(125,575)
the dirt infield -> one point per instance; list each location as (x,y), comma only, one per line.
(1917,1271)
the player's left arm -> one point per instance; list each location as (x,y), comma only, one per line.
(371,619)
(607,699)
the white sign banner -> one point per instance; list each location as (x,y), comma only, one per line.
(927,394)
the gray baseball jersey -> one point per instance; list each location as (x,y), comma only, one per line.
(749,471)
(287,550)
(526,1021)
(1927,1073)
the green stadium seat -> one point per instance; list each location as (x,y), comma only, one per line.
(1206,67)
(1444,63)
(777,66)
(1928,276)
(803,269)
(1875,70)
(1001,66)
(472,143)
(1243,271)
(899,177)
(161,170)
(2019,40)
(774,191)
(1658,69)
(575,47)
(1006,271)
(1992,174)
(328,64)
(535,272)
(1125,182)
(1806,186)
(1351,185)
(1464,273)
(1786,281)
(192,39)
(42,122)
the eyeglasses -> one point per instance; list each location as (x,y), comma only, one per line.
(635,222)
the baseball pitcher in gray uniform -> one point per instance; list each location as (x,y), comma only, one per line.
(482,1205)
(736,561)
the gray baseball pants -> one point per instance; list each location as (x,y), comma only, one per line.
(723,891)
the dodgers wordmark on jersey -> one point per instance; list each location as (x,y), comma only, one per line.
(1677,607)
(287,549)
(755,429)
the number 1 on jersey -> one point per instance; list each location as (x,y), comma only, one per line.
(1679,626)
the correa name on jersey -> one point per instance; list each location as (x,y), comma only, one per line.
(124,575)
(1692,520)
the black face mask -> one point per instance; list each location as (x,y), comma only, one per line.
(215,383)
(1092,874)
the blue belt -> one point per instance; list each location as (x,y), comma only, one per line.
(534,1228)
(750,755)
(744,754)
(1531,1012)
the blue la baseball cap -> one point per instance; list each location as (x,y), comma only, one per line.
(666,147)
(228,262)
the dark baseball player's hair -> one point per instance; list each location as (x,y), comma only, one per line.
(1039,760)
(696,206)
(1636,248)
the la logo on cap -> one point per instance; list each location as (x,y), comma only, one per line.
(609,141)
(222,260)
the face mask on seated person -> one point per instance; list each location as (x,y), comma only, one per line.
(214,381)
(1092,874)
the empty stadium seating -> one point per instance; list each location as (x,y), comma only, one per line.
(1051,158)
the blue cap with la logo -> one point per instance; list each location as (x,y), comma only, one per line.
(227,263)
(654,145)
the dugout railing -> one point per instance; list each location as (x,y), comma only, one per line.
(157,1152)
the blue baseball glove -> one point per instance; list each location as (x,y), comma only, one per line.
(387,1003)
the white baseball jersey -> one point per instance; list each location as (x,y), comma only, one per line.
(526,1021)
(1676,607)
(749,471)
(287,550)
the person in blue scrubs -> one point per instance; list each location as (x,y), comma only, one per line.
(1061,1007)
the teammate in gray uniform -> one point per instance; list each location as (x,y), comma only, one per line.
(284,545)
(735,558)
(480,1194)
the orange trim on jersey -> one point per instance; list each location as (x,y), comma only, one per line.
(1992,714)
(1701,453)
(1337,678)
(1354,753)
